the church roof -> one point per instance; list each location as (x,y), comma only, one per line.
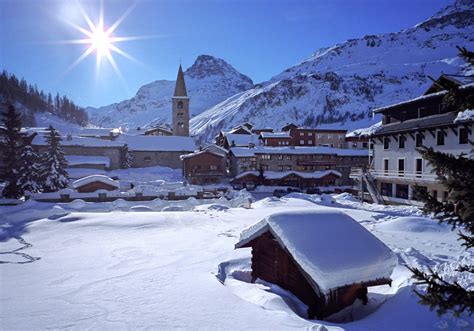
(180,88)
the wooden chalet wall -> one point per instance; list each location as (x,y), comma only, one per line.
(275,264)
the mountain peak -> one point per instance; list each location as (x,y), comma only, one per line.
(207,66)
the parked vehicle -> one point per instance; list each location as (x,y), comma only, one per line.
(280,193)
(313,191)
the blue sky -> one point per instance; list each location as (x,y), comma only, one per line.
(260,38)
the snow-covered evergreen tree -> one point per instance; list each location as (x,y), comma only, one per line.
(54,164)
(126,157)
(30,171)
(11,149)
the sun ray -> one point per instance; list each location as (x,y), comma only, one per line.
(84,15)
(124,54)
(121,18)
(79,59)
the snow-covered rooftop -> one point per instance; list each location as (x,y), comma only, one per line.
(299,150)
(240,140)
(186,156)
(364,132)
(39,140)
(266,135)
(95,178)
(282,174)
(422,97)
(82,159)
(465,116)
(330,246)
(158,143)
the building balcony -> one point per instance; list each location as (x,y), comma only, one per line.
(412,176)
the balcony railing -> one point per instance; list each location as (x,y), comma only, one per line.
(410,175)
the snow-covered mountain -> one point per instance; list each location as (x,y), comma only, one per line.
(339,85)
(209,81)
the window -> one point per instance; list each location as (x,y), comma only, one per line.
(147,160)
(440,138)
(213,167)
(401,191)
(180,125)
(365,145)
(310,142)
(386,189)
(288,167)
(401,167)
(354,145)
(401,141)
(280,168)
(180,105)
(280,156)
(463,136)
(341,145)
(329,136)
(288,157)
(301,142)
(386,143)
(419,140)
(385,165)
(266,157)
(310,134)
(434,194)
(419,167)
(319,136)
(301,134)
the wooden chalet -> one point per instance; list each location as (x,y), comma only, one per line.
(302,253)
(204,167)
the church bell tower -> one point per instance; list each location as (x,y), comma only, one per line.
(180,106)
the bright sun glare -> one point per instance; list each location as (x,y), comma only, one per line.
(99,39)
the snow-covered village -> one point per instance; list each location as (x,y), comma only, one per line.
(147,184)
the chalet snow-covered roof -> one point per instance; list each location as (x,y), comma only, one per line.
(98,132)
(465,116)
(298,150)
(433,121)
(240,140)
(266,135)
(329,246)
(83,159)
(421,98)
(204,151)
(40,140)
(95,178)
(364,132)
(283,174)
(217,149)
(158,143)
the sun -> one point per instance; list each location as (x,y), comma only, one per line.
(100,40)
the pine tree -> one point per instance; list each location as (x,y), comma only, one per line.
(54,164)
(11,148)
(126,157)
(456,173)
(30,171)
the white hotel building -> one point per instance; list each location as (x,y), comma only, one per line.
(397,166)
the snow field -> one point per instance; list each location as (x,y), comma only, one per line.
(103,268)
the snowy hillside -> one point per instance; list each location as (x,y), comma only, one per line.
(209,81)
(339,85)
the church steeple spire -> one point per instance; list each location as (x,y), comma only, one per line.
(180,110)
(180,88)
